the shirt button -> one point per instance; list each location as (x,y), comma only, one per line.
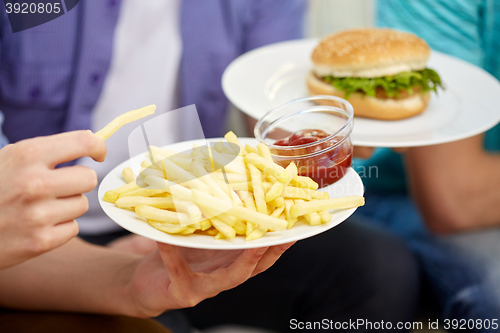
(35,92)
(112,3)
(95,78)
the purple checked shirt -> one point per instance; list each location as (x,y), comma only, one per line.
(51,75)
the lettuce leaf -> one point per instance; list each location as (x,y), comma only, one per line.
(427,79)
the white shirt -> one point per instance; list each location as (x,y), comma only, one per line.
(144,68)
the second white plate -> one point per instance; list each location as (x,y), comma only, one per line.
(266,77)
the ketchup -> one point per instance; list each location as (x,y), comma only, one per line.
(324,168)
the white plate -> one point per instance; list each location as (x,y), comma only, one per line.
(271,75)
(350,184)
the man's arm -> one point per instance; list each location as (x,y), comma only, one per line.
(80,277)
(456,185)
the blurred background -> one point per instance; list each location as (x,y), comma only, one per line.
(327,16)
(323,18)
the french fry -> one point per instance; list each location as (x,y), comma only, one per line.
(164,153)
(294,192)
(240,227)
(134,201)
(142,192)
(275,191)
(278,202)
(303,208)
(227,219)
(184,163)
(249,149)
(325,216)
(277,212)
(128,175)
(292,171)
(173,170)
(264,152)
(231,177)
(205,225)
(124,119)
(212,232)
(219,146)
(224,187)
(291,219)
(227,148)
(161,215)
(256,234)
(231,137)
(313,218)
(249,203)
(320,195)
(203,199)
(162,195)
(190,208)
(258,190)
(244,186)
(228,162)
(147,164)
(177,191)
(112,196)
(304,182)
(166,227)
(151,172)
(223,228)
(200,172)
(219,236)
(267,167)
(187,231)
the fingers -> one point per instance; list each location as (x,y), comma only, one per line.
(363,152)
(63,233)
(178,269)
(270,257)
(52,238)
(66,147)
(241,269)
(70,181)
(54,211)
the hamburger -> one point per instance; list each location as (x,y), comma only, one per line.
(381,72)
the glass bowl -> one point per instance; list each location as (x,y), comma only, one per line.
(314,133)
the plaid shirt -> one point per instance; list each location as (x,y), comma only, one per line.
(51,75)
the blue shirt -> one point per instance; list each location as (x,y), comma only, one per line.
(467,29)
(51,75)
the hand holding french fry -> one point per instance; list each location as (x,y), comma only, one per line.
(38,203)
(124,119)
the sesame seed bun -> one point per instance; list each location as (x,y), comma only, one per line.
(369,53)
(373,107)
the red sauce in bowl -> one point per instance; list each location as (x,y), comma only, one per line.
(331,162)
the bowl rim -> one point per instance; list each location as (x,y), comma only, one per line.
(349,122)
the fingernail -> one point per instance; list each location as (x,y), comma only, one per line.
(261,251)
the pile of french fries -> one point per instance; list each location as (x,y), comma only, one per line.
(224,191)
